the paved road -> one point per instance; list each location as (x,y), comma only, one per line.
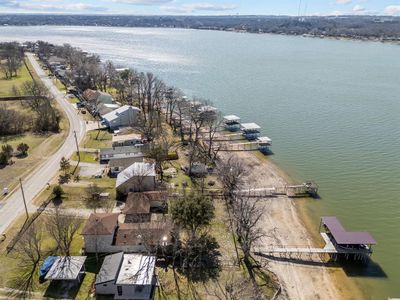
(38,179)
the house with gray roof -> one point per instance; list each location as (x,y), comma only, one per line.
(125,116)
(139,177)
(127,276)
(106,154)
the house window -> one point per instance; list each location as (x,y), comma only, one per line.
(119,290)
(139,289)
(104,284)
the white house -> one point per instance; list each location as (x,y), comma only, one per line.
(139,177)
(127,276)
(99,232)
(122,117)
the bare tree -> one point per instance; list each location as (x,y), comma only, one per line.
(29,254)
(181,110)
(63,228)
(148,127)
(247,213)
(11,59)
(231,172)
(212,126)
(159,152)
(47,117)
(172,96)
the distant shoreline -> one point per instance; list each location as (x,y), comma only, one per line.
(385,29)
(392,41)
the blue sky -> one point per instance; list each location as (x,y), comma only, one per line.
(211,7)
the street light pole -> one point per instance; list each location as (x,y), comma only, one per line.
(23,197)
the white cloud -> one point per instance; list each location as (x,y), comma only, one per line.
(392,10)
(358,9)
(143,2)
(203,6)
(9,3)
(75,7)
(343,1)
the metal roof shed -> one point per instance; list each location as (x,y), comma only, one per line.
(343,237)
(66,268)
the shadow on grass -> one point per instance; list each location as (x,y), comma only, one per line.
(64,289)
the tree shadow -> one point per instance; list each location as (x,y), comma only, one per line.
(62,179)
(198,259)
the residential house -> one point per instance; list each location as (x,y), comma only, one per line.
(139,206)
(118,163)
(119,152)
(99,232)
(139,177)
(127,237)
(97,97)
(132,139)
(106,108)
(143,237)
(124,116)
(127,276)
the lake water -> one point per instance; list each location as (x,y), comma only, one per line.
(332,109)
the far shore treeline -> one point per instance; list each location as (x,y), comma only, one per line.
(380,28)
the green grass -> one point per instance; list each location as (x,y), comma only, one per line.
(73,100)
(87,157)
(41,146)
(10,263)
(59,84)
(7,84)
(97,139)
(75,192)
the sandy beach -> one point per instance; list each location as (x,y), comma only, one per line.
(284,224)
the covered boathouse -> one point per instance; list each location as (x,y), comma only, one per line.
(232,123)
(251,131)
(353,244)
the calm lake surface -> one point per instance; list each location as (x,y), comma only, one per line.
(332,109)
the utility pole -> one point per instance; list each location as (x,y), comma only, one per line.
(23,197)
(77,147)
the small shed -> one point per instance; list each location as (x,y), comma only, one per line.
(67,268)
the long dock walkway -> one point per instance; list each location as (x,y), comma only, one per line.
(328,249)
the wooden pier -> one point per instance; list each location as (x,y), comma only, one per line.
(338,243)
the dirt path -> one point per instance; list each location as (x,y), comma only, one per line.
(284,226)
